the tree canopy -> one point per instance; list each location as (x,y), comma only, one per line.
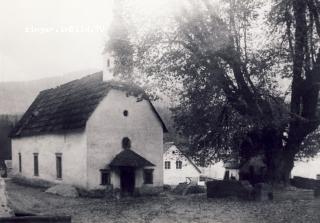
(244,76)
(231,65)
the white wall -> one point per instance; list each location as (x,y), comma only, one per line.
(215,171)
(175,176)
(307,168)
(72,146)
(107,127)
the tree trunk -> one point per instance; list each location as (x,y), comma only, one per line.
(279,158)
(279,166)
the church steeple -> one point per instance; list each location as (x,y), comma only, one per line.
(118,51)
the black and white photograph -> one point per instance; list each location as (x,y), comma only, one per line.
(160,111)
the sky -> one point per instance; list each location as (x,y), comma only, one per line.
(45,38)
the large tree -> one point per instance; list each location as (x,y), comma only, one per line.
(231,100)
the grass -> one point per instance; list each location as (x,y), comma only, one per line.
(167,208)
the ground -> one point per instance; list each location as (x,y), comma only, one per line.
(163,209)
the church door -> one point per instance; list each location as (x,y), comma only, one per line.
(127,180)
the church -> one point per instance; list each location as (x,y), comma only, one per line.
(95,132)
(91,133)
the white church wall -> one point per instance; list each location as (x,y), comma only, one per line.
(106,128)
(72,147)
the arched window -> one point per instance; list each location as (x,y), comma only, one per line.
(108,63)
(125,113)
(126,143)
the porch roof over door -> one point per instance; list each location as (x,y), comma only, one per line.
(129,158)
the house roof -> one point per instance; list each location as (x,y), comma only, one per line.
(69,106)
(129,158)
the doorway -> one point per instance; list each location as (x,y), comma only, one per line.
(127,180)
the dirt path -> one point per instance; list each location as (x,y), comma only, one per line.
(166,209)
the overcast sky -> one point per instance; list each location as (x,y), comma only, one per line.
(43,38)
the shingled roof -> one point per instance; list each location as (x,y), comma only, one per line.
(129,158)
(69,106)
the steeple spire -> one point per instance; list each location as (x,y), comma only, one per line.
(118,51)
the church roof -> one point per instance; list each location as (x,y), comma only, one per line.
(129,158)
(69,106)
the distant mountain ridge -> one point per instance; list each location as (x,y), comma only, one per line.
(16,97)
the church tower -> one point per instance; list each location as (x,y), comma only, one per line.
(118,51)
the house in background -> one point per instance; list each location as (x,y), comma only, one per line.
(309,168)
(91,133)
(179,168)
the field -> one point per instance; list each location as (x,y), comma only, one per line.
(167,208)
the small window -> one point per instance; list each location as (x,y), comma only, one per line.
(125,113)
(179,165)
(20,163)
(108,63)
(126,143)
(35,164)
(59,165)
(148,176)
(105,177)
(167,164)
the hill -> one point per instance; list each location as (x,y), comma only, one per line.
(15,97)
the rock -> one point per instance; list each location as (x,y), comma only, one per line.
(40,183)
(63,190)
